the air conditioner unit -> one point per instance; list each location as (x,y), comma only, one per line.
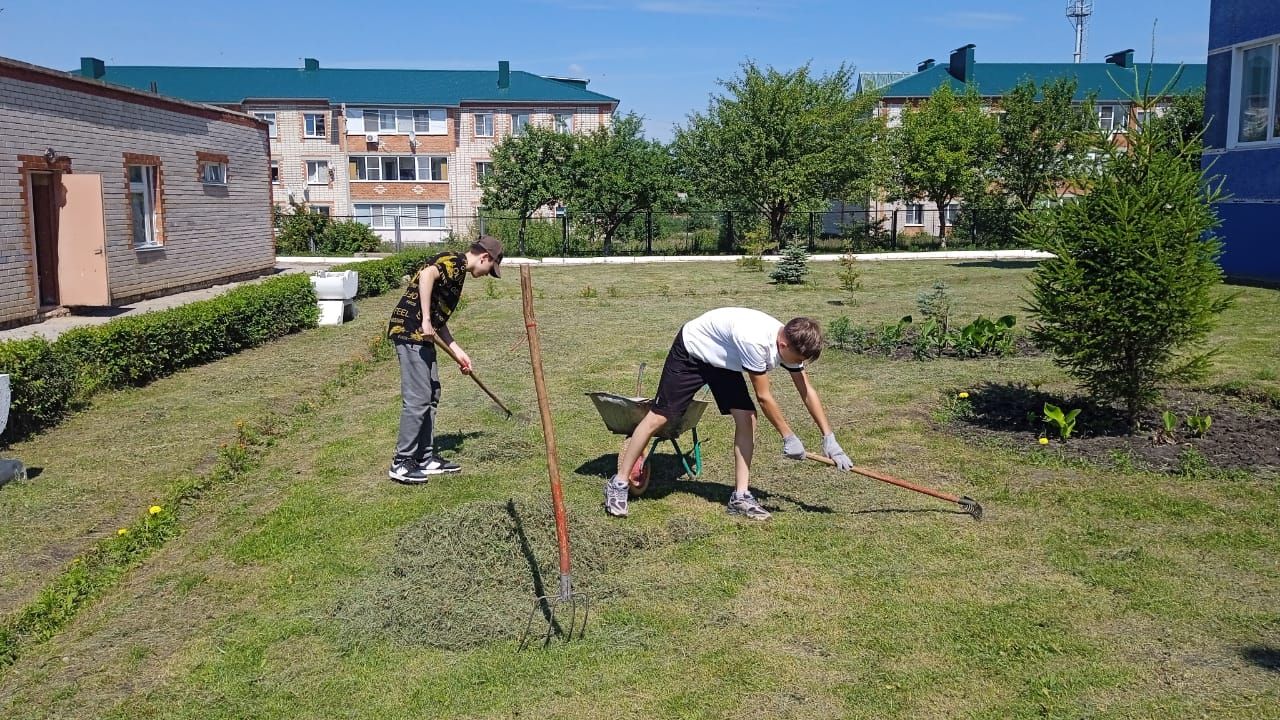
(371,137)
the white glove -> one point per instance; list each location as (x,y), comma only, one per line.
(792,447)
(832,449)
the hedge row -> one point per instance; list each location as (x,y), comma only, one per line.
(379,276)
(49,378)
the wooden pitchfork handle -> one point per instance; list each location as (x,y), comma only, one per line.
(548,432)
(969,505)
(449,351)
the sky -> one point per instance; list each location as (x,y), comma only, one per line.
(660,58)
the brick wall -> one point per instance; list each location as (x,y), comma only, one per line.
(209,232)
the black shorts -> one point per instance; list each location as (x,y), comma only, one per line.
(684,375)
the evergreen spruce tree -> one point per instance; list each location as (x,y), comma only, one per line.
(1135,288)
(793,265)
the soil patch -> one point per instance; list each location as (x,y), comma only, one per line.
(468,576)
(1244,435)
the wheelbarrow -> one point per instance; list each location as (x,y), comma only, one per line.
(622,414)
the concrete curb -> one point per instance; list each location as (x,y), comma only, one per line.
(647,259)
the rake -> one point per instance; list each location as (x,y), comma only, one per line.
(966,503)
(449,351)
(567,600)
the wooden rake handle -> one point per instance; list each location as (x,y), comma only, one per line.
(888,479)
(449,351)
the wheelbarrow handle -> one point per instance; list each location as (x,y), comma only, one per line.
(449,351)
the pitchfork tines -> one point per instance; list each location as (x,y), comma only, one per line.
(553,609)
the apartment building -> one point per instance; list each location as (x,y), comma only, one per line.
(1112,83)
(108,194)
(400,150)
(1242,137)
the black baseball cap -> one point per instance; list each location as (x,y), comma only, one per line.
(493,246)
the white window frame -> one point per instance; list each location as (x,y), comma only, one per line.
(213,173)
(562,121)
(413,216)
(518,130)
(1237,79)
(406,121)
(916,209)
(320,174)
(488,116)
(315,126)
(147,188)
(270,119)
(425,168)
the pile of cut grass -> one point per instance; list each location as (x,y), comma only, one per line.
(468,576)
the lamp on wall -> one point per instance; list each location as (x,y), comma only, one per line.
(50,156)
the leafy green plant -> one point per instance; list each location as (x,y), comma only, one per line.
(953,408)
(850,278)
(347,237)
(984,336)
(1168,432)
(1199,424)
(588,292)
(613,291)
(755,245)
(891,334)
(929,340)
(491,289)
(840,332)
(1065,422)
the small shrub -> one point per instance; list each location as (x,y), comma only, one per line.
(491,289)
(300,230)
(588,292)
(43,385)
(1192,465)
(755,245)
(850,278)
(347,237)
(793,266)
(937,304)
(840,332)
(891,334)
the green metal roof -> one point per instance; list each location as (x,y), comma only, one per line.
(1110,82)
(233,85)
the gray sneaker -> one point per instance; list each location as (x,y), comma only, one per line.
(615,496)
(746,506)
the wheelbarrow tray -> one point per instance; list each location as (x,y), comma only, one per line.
(622,414)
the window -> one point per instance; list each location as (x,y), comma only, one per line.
(409,168)
(1112,118)
(412,217)
(484,124)
(142,205)
(483,170)
(317,172)
(953,212)
(430,121)
(213,173)
(563,122)
(1256,95)
(275,172)
(519,121)
(321,209)
(313,125)
(915,214)
(1140,117)
(270,119)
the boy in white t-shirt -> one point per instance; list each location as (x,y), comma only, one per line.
(715,349)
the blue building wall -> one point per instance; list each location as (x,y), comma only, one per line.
(1251,177)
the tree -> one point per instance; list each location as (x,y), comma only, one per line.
(529,172)
(615,172)
(1043,137)
(1132,292)
(780,142)
(1183,122)
(942,150)
(793,265)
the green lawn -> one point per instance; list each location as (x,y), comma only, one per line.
(1087,591)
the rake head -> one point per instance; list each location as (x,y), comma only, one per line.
(970,506)
(555,609)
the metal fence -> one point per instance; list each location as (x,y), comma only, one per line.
(719,232)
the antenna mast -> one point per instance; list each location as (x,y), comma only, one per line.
(1078,12)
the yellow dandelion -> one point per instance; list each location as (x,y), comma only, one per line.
(964,395)
(1044,441)
(154,509)
(122,531)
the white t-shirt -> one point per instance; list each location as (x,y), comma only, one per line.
(734,338)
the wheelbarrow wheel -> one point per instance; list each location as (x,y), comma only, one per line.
(638,478)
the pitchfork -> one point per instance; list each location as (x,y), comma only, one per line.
(567,597)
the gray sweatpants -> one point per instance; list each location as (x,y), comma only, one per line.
(420,393)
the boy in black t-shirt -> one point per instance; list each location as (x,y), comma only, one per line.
(437,287)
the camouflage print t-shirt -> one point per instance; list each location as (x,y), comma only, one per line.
(406,318)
